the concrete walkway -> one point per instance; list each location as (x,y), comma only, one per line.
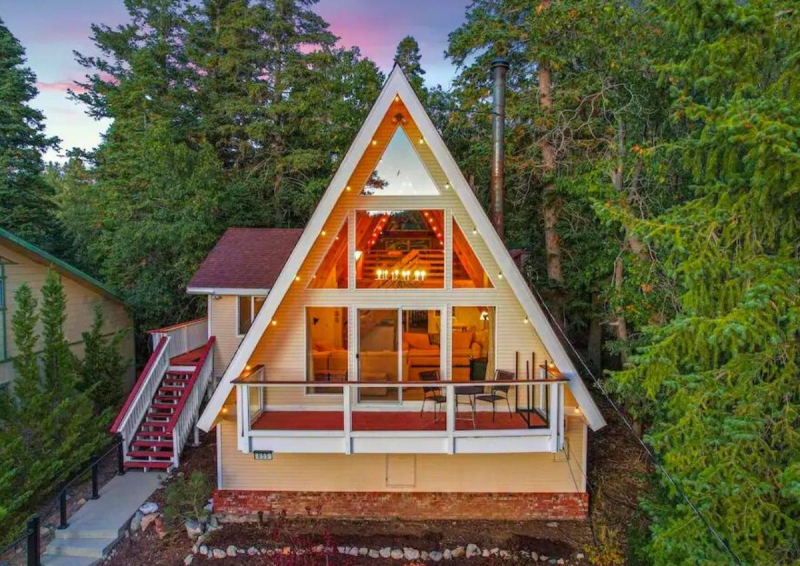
(96,527)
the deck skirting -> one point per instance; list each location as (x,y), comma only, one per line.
(244,505)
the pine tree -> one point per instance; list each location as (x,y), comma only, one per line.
(408,57)
(26,206)
(102,368)
(722,375)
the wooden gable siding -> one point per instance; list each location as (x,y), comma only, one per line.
(282,348)
(222,311)
(499,473)
(81,301)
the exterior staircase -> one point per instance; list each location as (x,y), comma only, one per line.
(161,410)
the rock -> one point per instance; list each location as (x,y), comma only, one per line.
(319,549)
(208,508)
(560,561)
(424,555)
(81,502)
(353,551)
(188,560)
(240,551)
(552,524)
(579,556)
(373,553)
(213,523)
(410,553)
(203,550)
(218,553)
(494,551)
(458,552)
(472,550)
(396,553)
(534,556)
(231,550)
(436,556)
(148,508)
(448,554)
(147,520)
(542,558)
(504,554)
(385,552)
(486,553)
(136,522)
(363,551)
(159,527)
(193,529)
(252,551)
(341,549)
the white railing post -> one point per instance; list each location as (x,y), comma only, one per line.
(450,393)
(553,417)
(348,419)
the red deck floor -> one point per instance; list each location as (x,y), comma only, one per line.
(385,420)
(191,358)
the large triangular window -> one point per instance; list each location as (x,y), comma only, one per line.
(400,171)
(467,269)
(332,272)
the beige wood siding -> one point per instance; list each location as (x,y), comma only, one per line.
(81,301)
(222,311)
(500,473)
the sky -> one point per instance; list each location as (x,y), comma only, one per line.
(50,30)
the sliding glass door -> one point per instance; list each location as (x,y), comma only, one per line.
(397,345)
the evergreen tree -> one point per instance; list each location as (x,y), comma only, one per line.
(102,369)
(47,427)
(408,57)
(26,206)
(722,375)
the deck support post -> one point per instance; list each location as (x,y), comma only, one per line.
(62,510)
(95,478)
(348,419)
(451,418)
(120,455)
(34,548)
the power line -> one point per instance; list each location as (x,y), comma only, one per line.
(646,448)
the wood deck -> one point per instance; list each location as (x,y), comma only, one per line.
(386,421)
(191,358)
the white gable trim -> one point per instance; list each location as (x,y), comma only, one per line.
(397,84)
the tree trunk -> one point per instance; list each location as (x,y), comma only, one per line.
(552,204)
(595,345)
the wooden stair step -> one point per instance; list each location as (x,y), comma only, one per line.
(163,465)
(152,444)
(153,424)
(170,388)
(163,406)
(167,397)
(163,454)
(186,372)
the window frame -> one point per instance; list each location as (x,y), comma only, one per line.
(253,312)
(308,391)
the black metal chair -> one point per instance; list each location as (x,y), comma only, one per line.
(498,393)
(434,394)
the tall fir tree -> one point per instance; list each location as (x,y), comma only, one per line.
(723,373)
(26,205)
(408,57)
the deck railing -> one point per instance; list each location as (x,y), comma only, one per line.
(545,419)
(140,397)
(186,336)
(188,408)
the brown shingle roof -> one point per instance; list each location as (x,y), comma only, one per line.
(246,258)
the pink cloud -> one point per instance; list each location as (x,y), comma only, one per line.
(59,87)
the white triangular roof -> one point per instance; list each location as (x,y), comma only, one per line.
(397,84)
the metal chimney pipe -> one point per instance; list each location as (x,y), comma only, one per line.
(499,70)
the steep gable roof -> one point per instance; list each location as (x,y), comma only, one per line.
(246,259)
(42,257)
(398,85)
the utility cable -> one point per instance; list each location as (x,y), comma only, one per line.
(644,445)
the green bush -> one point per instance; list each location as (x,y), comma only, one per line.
(186,499)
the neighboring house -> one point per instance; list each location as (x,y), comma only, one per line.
(22,262)
(348,354)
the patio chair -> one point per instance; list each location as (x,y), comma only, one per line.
(434,394)
(498,393)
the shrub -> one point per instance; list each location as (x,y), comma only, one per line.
(186,499)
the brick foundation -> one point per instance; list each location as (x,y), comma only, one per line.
(410,506)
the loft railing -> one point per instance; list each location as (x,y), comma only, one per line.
(186,336)
(188,408)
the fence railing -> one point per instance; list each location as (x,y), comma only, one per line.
(101,469)
(25,549)
(142,394)
(188,408)
(185,337)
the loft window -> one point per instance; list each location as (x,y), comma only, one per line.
(246,310)
(332,271)
(400,170)
(400,249)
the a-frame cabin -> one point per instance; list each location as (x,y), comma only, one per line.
(397,365)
